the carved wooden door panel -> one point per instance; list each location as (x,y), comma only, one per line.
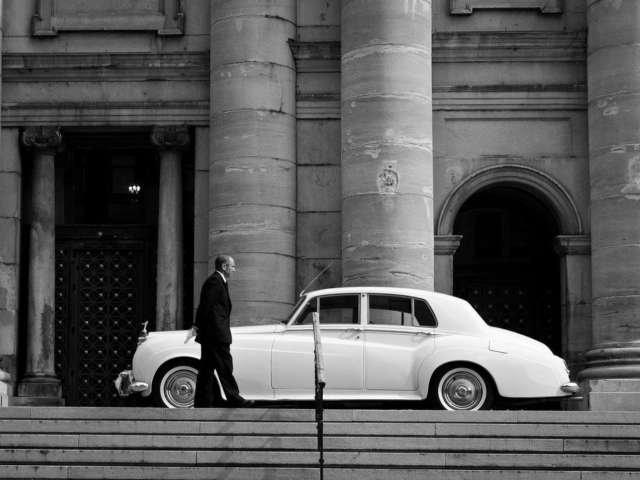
(100,305)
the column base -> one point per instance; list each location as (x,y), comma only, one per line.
(40,386)
(37,402)
(618,395)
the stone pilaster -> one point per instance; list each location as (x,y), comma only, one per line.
(614,122)
(445,247)
(40,384)
(574,252)
(10,245)
(171,142)
(387,169)
(252,174)
(6,389)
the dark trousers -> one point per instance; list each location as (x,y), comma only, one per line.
(216,357)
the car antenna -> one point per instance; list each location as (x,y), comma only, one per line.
(311,283)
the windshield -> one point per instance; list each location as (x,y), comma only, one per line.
(301,300)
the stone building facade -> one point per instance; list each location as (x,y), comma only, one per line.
(487,149)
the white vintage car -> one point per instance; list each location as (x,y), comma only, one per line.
(377,343)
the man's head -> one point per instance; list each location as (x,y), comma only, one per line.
(225,265)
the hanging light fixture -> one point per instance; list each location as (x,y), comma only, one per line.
(134,190)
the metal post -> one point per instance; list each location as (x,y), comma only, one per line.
(320,383)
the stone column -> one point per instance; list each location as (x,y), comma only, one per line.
(613,63)
(445,248)
(574,252)
(252,209)
(171,142)
(387,155)
(40,386)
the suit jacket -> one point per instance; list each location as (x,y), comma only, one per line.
(214,311)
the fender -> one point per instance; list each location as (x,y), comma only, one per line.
(536,376)
(156,351)
(251,358)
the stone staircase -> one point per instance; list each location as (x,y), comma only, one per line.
(278,443)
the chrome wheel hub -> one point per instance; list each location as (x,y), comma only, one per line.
(462,390)
(179,388)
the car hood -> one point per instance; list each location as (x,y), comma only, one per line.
(234,330)
(517,341)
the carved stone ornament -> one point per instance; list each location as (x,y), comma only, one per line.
(388,181)
(42,138)
(171,137)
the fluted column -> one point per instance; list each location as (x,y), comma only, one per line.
(252,214)
(171,142)
(613,68)
(40,381)
(387,170)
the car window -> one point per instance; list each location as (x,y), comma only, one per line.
(423,313)
(335,309)
(395,310)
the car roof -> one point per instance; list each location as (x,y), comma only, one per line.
(413,292)
(453,314)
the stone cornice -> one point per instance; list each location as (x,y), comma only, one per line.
(509,47)
(572,245)
(316,57)
(545,46)
(446,244)
(97,114)
(311,57)
(100,67)
(510,97)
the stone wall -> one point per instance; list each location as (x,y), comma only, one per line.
(509,104)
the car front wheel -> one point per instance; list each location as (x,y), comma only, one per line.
(174,385)
(461,388)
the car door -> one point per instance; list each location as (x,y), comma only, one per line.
(293,372)
(399,335)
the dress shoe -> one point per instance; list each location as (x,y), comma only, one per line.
(240,402)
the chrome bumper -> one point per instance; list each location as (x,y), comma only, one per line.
(126,384)
(571,388)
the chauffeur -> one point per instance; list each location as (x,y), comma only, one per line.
(214,337)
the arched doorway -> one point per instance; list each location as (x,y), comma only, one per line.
(505,265)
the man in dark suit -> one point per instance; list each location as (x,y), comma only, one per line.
(214,337)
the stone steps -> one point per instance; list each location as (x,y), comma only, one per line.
(143,443)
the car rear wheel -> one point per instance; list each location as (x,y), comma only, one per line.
(461,388)
(174,385)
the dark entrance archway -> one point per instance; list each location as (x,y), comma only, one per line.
(505,265)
